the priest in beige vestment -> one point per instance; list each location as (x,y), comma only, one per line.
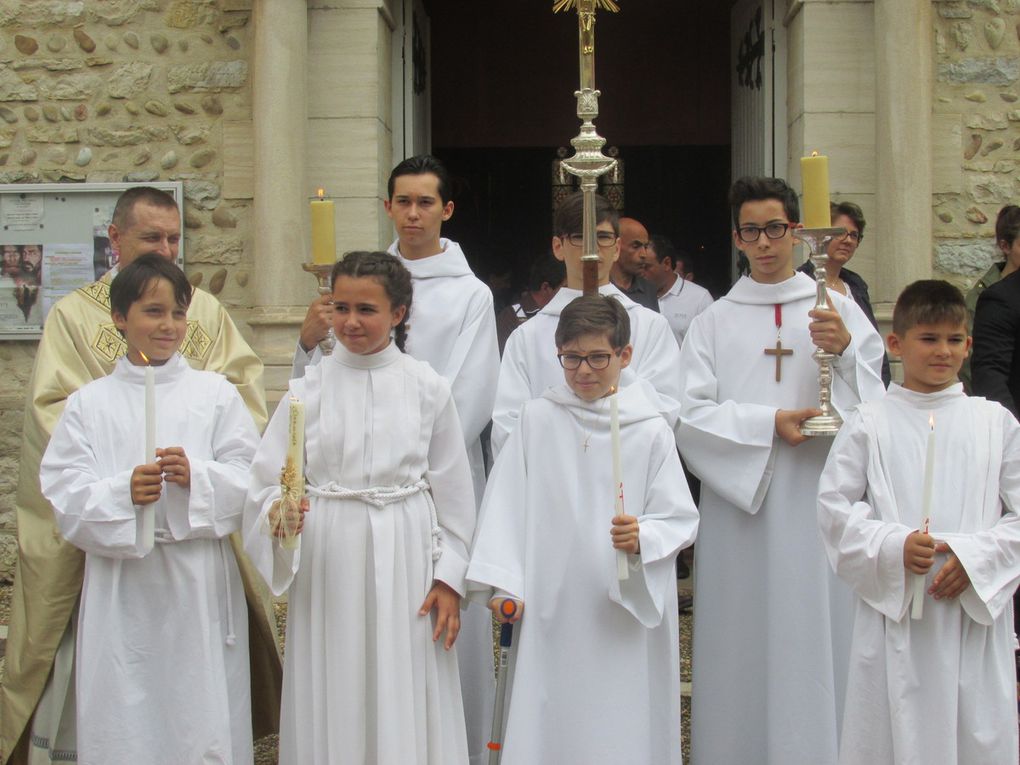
(80,344)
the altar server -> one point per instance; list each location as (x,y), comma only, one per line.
(376,580)
(529,359)
(940,687)
(771,637)
(454,330)
(596,677)
(162,654)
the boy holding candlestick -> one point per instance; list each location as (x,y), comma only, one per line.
(769,641)
(162,662)
(939,688)
(596,673)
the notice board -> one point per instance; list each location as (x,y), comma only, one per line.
(53,240)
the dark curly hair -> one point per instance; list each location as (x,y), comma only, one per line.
(391,275)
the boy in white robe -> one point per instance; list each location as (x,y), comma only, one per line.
(940,687)
(596,673)
(771,637)
(454,330)
(162,654)
(529,363)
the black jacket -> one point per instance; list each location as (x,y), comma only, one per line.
(995,364)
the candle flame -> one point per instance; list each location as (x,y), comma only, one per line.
(144,357)
(931,421)
(814,154)
(321,192)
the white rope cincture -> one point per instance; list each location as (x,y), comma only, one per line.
(380,496)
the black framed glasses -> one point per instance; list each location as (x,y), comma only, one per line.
(603,238)
(775,230)
(853,236)
(572,361)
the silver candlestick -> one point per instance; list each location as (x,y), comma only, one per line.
(828,422)
(322,273)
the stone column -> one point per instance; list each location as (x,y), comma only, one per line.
(279,108)
(903,143)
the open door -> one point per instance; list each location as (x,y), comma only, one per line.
(757,91)
(412,118)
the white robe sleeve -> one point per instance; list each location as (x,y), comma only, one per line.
(213,506)
(497,553)
(728,445)
(865,551)
(858,370)
(93,513)
(668,523)
(991,557)
(512,391)
(452,490)
(276,564)
(473,366)
(304,359)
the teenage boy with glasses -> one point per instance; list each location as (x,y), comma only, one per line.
(773,629)
(529,363)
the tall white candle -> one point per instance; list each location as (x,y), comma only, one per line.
(148,513)
(294,470)
(917,607)
(622,571)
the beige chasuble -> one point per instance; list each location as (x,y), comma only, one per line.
(81,344)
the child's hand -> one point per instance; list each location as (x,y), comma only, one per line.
(293,519)
(951,580)
(918,552)
(445,600)
(788,424)
(625,533)
(146,483)
(175,465)
(827,329)
(496,606)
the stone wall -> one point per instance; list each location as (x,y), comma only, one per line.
(977,130)
(128,90)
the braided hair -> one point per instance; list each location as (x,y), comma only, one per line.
(391,275)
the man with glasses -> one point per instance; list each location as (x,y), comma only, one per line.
(841,279)
(529,363)
(628,272)
(772,635)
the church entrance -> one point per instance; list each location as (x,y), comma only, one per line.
(502,79)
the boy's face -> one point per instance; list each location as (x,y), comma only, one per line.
(570,254)
(771,259)
(932,355)
(155,324)
(417,212)
(593,384)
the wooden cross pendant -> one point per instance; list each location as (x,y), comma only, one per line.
(779,351)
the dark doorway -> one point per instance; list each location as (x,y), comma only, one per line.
(502,80)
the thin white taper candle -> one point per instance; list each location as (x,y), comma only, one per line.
(622,571)
(917,607)
(148,513)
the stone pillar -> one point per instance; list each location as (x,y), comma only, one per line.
(903,143)
(279,108)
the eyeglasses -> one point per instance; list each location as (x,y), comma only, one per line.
(853,236)
(772,231)
(596,361)
(604,239)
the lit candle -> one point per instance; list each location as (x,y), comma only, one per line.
(293,480)
(917,608)
(622,571)
(148,512)
(323,231)
(814,171)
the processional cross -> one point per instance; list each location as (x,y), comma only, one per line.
(588,162)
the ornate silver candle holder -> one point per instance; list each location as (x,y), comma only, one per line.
(322,272)
(828,422)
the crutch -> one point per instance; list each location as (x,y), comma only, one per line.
(506,637)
